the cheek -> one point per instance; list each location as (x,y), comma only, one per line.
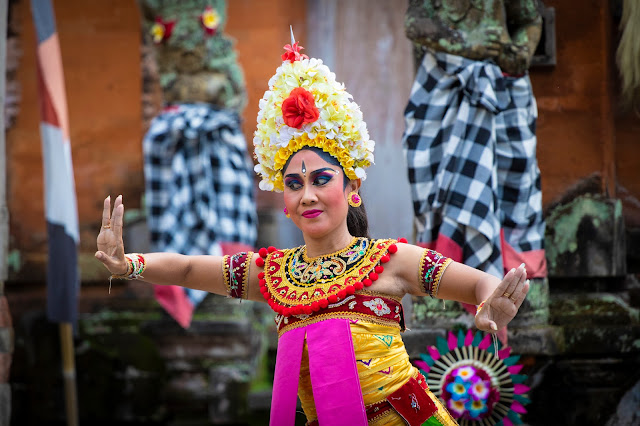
(336,198)
(289,200)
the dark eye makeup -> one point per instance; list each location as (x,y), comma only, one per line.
(320,177)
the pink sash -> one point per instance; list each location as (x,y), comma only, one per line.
(334,375)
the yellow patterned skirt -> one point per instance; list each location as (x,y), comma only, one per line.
(383,367)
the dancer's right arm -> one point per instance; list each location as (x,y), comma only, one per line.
(196,272)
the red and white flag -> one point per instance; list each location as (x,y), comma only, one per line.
(60,195)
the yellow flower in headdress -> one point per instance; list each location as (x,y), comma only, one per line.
(306,107)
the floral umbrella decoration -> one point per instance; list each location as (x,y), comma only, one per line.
(477,387)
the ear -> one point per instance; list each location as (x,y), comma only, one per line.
(354,185)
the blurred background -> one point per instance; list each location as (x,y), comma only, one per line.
(135,364)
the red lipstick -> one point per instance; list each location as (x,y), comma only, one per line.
(310,214)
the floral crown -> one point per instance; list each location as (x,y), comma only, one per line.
(306,107)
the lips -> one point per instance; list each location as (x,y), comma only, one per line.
(310,214)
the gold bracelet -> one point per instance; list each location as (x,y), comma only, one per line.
(480,306)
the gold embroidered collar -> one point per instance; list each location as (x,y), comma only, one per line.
(295,284)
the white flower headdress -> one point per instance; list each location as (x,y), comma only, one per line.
(306,107)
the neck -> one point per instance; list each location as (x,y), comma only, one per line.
(327,243)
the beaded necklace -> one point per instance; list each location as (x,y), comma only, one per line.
(294,284)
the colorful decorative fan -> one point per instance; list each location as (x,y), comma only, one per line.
(477,387)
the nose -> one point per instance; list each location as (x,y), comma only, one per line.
(309,195)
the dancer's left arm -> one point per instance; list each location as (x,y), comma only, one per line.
(462,283)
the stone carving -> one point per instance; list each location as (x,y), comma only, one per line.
(505,31)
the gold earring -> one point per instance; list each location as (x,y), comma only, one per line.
(354,199)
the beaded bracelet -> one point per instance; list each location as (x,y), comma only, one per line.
(135,267)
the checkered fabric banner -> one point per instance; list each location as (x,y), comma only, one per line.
(470,146)
(199,186)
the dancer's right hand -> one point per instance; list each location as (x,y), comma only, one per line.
(110,246)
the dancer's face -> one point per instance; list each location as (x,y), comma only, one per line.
(315,194)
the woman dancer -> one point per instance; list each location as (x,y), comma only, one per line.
(337,298)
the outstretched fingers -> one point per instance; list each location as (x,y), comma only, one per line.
(515,281)
(106,212)
(118,219)
(507,282)
(520,292)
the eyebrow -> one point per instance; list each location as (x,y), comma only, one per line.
(313,173)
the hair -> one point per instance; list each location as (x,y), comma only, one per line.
(357,221)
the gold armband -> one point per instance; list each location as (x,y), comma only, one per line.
(235,270)
(432,266)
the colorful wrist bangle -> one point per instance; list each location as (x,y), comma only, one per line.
(135,267)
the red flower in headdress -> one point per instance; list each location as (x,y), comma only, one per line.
(161,30)
(292,53)
(299,108)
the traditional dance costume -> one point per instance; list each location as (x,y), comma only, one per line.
(340,348)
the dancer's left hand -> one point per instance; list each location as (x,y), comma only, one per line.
(502,306)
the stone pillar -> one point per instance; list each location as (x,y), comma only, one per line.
(586,238)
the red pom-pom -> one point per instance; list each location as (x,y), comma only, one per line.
(385,258)
(333,298)
(367,282)
(315,306)
(262,282)
(261,275)
(307,310)
(271,249)
(323,303)
(402,240)
(358,285)
(266,296)
(342,294)
(379,269)
(393,248)
(264,290)
(263,252)
(260,262)
(350,290)
(373,276)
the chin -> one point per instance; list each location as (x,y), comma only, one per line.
(314,230)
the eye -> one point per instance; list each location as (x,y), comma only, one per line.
(293,184)
(321,180)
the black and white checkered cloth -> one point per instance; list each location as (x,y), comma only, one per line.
(470,146)
(199,181)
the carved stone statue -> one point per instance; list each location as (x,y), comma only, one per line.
(506,32)
(470,138)
(199,193)
(195,59)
